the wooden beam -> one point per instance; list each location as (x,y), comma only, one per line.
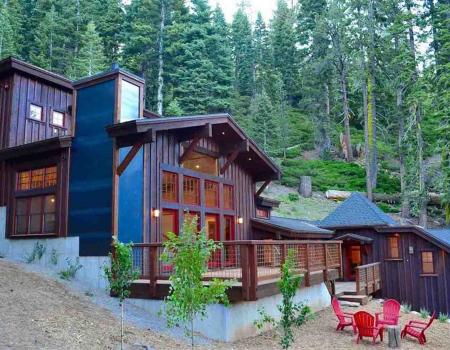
(204,131)
(262,188)
(129,157)
(240,147)
(201,131)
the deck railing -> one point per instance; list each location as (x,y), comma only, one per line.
(368,279)
(249,263)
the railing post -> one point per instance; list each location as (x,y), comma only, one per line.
(283,253)
(153,269)
(307,275)
(367,281)
(358,281)
(245,280)
(325,271)
(253,270)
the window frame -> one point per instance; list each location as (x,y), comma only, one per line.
(197,191)
(433,265)
(217,194)
(32,103)
(389,240)
(28,194)
(206,154)
(177,189)
(64,117)
(266,210)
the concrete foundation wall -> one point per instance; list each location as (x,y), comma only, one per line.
(236,321)
(91,274)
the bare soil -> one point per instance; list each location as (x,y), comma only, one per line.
(37,312)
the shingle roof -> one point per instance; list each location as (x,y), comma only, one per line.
(441,234)
(294,225)
(357,210)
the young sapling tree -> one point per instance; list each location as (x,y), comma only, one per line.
(188,254)
(120,275)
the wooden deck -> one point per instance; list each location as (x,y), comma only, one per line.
(253,267)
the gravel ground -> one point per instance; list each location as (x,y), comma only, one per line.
(39,312)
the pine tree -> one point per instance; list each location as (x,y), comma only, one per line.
(264,128)
(7,42)
(243,54)
(284,42)
(90,59)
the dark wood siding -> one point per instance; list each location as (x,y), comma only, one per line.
(402,278)
(165,151)
(19,129)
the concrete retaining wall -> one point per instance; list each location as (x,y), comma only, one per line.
(236,321)
(91,274)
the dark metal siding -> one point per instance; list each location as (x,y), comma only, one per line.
(91,175)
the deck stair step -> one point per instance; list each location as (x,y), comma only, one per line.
(355,298)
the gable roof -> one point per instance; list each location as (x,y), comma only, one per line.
(356,211)
(295,228)
(441,234)
(224,129)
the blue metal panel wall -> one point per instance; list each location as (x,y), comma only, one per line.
(91,176)
(131,198)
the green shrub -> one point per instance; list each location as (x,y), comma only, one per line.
(71,271)
(36,254)
(443,317)
(406,308)
(424,313)
(293,197)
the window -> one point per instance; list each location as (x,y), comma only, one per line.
(427,263)
(169,222)
(212,226)
(58,119)
(262,213)
(211,194)
(35,202)
(36,112)
(129,101)
(191,190)
(170,187)
(228,198)
(229,228)
(35,215)
(201,163)
(393,247)
(37,179)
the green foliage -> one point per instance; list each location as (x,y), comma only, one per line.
(188,254)
(292,313)
(331,174)
(54,257)
(443,317)
(36,254)
(72,269)
(406,308)
(120,273)
(424,313)
(293,197)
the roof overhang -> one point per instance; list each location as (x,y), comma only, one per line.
(12,64)
(354,237)
(419,231)
(288,232)
(223,129)
(267,202)
(34,148)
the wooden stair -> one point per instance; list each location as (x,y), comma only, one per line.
(354,298)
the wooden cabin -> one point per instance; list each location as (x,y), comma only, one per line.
(408,263)
(85,159)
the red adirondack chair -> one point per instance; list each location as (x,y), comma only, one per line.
(345,318)
(365,323)
(390,314)
(417,329)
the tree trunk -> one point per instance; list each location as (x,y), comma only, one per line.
(372,99)
(305,188)
(347,138)
(326,123)
(367,152)
(401,132)
(160,97)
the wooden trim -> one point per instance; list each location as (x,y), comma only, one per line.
(242,146)
(128,158)
(34,148)
(262,188)
(189,149)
